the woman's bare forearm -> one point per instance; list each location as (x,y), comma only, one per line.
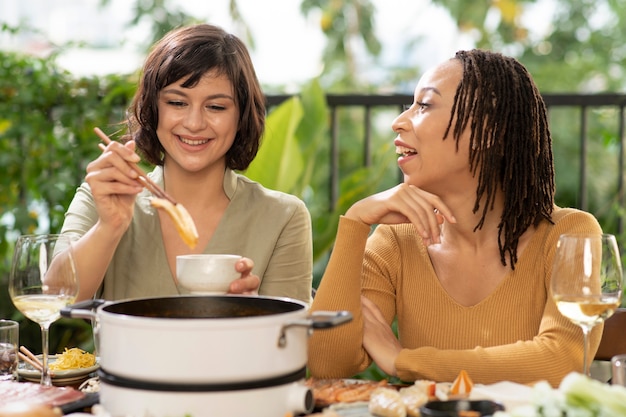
(93,253)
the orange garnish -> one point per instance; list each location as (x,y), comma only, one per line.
(462,385)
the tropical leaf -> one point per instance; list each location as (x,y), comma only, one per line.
(279,162)
(312,133)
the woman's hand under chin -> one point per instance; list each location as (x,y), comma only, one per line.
(404,204)
(249,283)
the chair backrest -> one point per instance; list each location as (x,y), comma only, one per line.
(613,337)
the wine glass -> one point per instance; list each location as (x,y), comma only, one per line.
(43,280)
(587,281)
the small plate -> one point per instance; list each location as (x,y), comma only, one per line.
(59,378)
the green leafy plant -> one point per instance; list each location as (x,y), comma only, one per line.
(294,158)
(46,141)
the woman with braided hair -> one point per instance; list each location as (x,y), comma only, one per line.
(462,250)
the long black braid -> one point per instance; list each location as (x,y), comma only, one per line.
(510,145)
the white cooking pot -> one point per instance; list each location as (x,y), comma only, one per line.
(203,339)
(204,355)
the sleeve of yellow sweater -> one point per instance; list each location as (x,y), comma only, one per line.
(338,352)
(548,348)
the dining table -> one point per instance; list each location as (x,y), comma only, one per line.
(510,395)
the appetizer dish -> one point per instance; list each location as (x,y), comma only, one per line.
(338,397)
(68,368)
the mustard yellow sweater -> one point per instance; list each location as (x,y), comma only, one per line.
(514,334)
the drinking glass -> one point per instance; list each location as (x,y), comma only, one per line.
(9,344)
(587,281)
(42,281)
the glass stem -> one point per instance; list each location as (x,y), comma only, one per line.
(45,374)
(585,350)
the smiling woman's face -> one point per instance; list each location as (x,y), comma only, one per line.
(197,125)
(426,159)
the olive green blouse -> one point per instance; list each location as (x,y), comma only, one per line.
(270,227)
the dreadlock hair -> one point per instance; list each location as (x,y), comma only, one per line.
(510,145)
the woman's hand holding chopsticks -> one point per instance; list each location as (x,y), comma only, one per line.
(153,187)
(115,184)
(124,161)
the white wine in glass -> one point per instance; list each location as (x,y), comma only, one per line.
(42,281)
(587,281)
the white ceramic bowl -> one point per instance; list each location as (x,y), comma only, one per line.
(206,273)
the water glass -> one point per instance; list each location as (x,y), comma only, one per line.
(9,343)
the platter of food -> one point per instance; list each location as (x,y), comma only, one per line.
(364,398)
(35,393)
(71,367)
(332,391)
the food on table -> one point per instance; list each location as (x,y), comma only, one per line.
(74,358)
(416,395)
(35,393)
(406,401)
(462,385)
(182,220)
(387,402)
(577,395)
(331,391)
(90,385)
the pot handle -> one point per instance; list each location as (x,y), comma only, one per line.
(316,320)
(328,319)
(79,310)
(300,399)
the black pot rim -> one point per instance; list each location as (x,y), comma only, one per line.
(227,306)
(118,381)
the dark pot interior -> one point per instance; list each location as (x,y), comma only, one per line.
(203,307)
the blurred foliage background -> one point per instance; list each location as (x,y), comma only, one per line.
(47,116)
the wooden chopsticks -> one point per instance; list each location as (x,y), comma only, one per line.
(27,356)
(143,177)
